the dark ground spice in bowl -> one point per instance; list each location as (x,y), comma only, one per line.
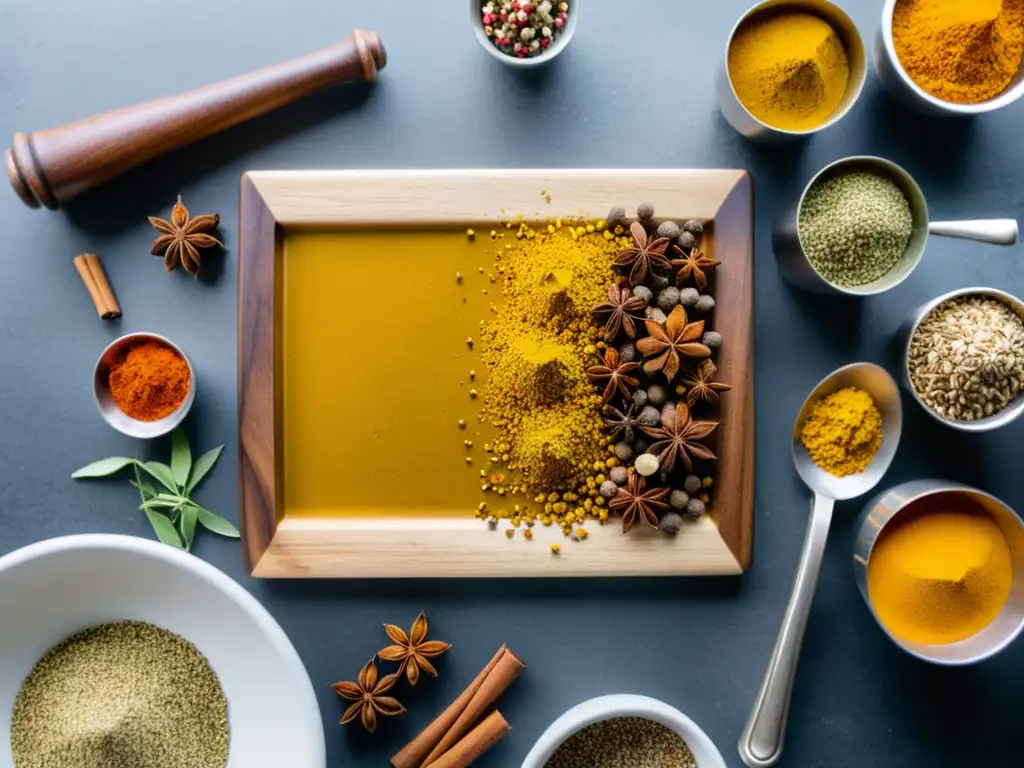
(623,742)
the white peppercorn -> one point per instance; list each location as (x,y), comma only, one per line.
(646,464)
(649,417)
(643,293)
(689,297)
(705,304)
(656,395)
(668,415)
(671,523)
(668,229)
(668,298)
(608,489)
(627,352)
(640,398)
(619,475)
(678,499)
(655,315)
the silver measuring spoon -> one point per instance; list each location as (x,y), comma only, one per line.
(761,741)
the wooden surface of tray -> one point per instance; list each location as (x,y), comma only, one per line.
(282,211)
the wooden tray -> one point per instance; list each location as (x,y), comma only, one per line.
(279,204)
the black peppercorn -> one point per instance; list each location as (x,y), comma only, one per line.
(693,226)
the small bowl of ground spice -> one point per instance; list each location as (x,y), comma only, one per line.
(791,68)
(624,731)
(952,57)
(964,358)
(144,385)
(938,565)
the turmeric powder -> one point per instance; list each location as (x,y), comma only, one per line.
(941,575)
(959,51)
(843,432)
(790,70)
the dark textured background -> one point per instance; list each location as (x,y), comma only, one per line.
(634,89)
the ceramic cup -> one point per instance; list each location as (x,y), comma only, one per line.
(899,84)
(110,411)
(560,43)
(886,507)
(624,705)
(751,127)
(797,269)
(906,333)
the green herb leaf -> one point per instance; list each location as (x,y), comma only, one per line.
(214,522)
(203,465)
(144,488)
(162,473)
(189,516)
(181,458)
(164,528)
(164,501)
(103,467)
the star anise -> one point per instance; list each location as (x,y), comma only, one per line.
(666,344)
(694,264)
(645,256)
(411,651)
(623,425)
(616,373)
(617,313)
(678,440)
(637,503)
(369,698)
(703,387)
(181,238)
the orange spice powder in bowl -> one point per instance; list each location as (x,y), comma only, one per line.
(144,385)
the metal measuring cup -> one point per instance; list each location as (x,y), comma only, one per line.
(761,742)
(797,269)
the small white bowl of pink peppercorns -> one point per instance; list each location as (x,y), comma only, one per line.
(523,33)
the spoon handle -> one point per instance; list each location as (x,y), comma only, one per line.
(995,231)
(761,741)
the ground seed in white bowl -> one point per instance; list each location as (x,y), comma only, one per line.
(120,695)
(967,358)
(623,742)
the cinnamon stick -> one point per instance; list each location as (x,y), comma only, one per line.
(490,731)
(453,723)
(90,269)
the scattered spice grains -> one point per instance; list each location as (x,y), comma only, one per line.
(855,227)
(126,693)
(623,742)
(967,358)
(524,29)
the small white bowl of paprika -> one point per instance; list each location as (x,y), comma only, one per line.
(144,385)
(529,38)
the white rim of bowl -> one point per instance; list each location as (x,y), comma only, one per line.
(836,116)
(1007,97)
(208,573)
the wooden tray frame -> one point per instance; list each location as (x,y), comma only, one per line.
(275,546)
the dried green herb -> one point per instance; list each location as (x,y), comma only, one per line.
(168,505)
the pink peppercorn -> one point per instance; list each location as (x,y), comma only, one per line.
(563,15)
(559,23)
(545,42)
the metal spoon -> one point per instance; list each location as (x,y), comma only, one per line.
(761,742)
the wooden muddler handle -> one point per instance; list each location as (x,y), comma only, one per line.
(51,167)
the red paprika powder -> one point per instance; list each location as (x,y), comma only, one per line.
(149,381)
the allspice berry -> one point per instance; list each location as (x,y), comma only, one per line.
(693,226)
(645,211)
(668,229)
(671,523)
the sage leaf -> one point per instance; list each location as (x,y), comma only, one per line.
(189,516)
(103,467)
(181,458)
(203,465)
(214,522)
(161,473)
(164,529)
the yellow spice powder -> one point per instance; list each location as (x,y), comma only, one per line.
(843,432)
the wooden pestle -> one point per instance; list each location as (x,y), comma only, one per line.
(51,167)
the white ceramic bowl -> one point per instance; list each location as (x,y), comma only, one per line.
(624,705)
(53,589)
(529,62)
(900,85)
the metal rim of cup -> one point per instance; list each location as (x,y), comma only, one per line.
(896,174)
(1007,415)
(168,422)
(862,568)
(836,116)
(1007,97)
(560,44)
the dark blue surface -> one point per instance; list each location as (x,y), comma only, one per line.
(634,89)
